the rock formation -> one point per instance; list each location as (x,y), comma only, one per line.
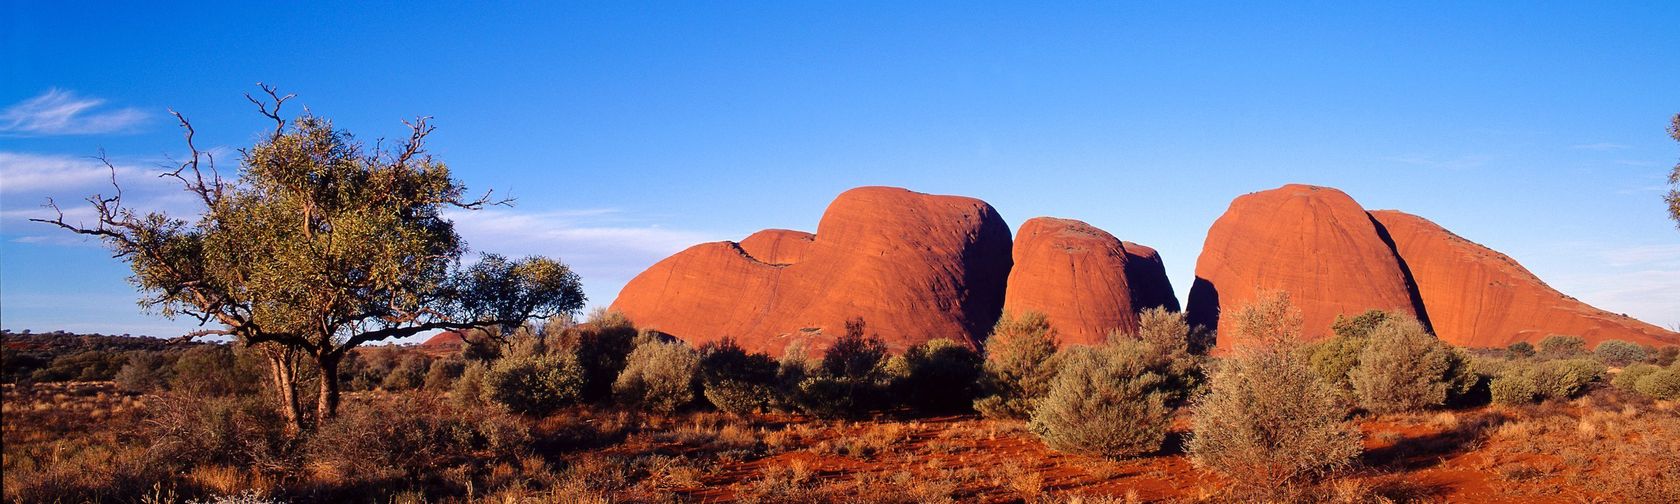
(1316,243)
(1478,297)
(1085,281)
(914,266)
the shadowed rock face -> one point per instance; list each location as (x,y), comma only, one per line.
(1083,279)
(1316,243)
(914,266)
(1478,297)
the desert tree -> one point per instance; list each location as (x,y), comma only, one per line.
(1673,196)
(318,245)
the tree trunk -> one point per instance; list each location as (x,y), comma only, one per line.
(282,365)
(326,406)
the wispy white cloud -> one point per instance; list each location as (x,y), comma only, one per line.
(22,173)
(28,180)
(63,112)
(1601,146)
(1464,162)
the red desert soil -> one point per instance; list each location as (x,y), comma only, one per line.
(1314,242)
(914,266)
(1477,297)
(1086,281)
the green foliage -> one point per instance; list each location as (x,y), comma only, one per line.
(1106,401)
(850,380)
(1332,359)
(1564,379)
(658,376)
(601,345)
(1630,376)
(1361,325)
(1520,350)
(1666,356)
(938,376)
(1673,196)
(145,372)
(409,373)
(534,385)
(1620,353)
(441,374)
(1513,389)
(735,381)
(1019,365)
(390,443)
(1663,384)
(1405,368)
(214,370)
(468,391)
(1267,418)
(1559,346)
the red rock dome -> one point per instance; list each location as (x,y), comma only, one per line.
(1478,297)
(1084,280)
(914,266)
(1315,243)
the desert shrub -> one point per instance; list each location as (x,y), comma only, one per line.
(87,365)
(1169,331)
(1559,346)
(1363,324)
(145,372)
(213,370)
(1267,418)
(1105,401)
(195,429)
(1665,356)
(1020,362)
(441,375)
(850,380)
(1563,379)
(1619,353)
(1513,389)
(1519,350)
(1630,376)
(938,376)
(412,437)
(534,384)
(1663,384)
(658,376)
(468,389)
(601,344)
(1166,338)
(408,374)
(735,381)
(1404,368)
(1332,359)
(791,370)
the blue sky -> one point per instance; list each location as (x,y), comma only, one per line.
(629,131)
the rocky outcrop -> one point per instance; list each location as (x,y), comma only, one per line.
(1084,280)
(1315,243)
(1478,297)
(914,266)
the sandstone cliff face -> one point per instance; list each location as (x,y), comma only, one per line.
(1083,279)
(1481,298)
(1316,243)
(914,266)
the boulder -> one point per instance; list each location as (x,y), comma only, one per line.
(914,266)
(1315,243)
(1083,279)
(1477,297)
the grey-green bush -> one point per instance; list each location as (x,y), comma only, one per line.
(1519,350)
(145,372)
(736,381)
(1564,379)
(601,344)
(850,380)
(1404,368)
(534,384)
(1513,389)
(1105,401)
(1267,419)
(468,390)
(1020,362)
(937,376)
(441,375)
(1663,384)
(1558,346)
(1630,376)
(1619,353)
(409,373)
(658,376)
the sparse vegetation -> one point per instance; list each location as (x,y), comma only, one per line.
(659,376)
(1107,401)
(1404,368)
(1020,362)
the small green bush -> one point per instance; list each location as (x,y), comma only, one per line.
(1564,379)
(1361,325)
(735,381)
(1334,358)
(938,376)
(602,346)
(1105,402)
(1513,389)
(1663,384)
(850,380)
(1403,368)
(1619,353)
(1630,376)
(1559,346)
(1666,356)
(441,375)
(145,372)
(658,376)
(534,384)
(395,442)
(1519,350)
(409,373)
(214,370)
(1020,362)
(468,390)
